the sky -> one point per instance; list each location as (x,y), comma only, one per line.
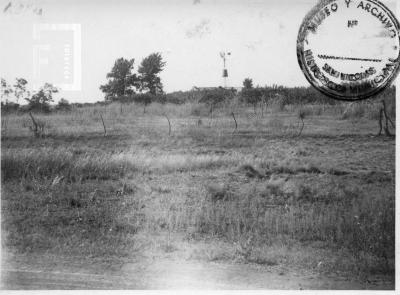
(74,44)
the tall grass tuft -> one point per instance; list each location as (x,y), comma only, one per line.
(47,164)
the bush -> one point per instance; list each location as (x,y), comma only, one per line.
(178,97)
(142,98)
(40,101)
(216,97)
(251,96)
(63,105)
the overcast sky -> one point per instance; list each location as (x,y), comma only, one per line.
(261,36)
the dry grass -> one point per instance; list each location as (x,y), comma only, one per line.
(342,217)
(68,164)
(259,191)
(68,219)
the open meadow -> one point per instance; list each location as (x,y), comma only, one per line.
(313,206)
(198,144)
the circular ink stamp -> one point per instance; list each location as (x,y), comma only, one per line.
(349,49)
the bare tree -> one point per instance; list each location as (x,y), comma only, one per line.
(301,115)
(104,125)
(383,114)
(38,127)
(236,125)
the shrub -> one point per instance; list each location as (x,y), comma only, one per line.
(199,110)
(216,97)
(63,105)
(178,97)
(9,107)
(251,96)
(142,98)
(40,101)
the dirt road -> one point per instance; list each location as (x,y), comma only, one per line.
(173,274)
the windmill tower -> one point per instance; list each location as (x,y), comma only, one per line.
(224,70)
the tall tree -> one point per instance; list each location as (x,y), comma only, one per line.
(121,81)
(248,83)
(20,88)
(148,71)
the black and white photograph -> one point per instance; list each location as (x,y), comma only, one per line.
(198,144)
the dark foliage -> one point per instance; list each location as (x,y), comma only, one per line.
(149,69)
(248,83)
(40,101)
(63,105)
(121,81)
(9,107)
(213,97)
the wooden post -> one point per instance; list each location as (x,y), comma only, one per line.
(35,130)
(104,125)
(380,121)
(236,125)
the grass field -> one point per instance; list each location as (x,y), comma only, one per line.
(263,194)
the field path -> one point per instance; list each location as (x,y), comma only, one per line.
(175,274)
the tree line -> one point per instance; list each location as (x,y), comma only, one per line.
(145,87)
(37,101)
(121,86)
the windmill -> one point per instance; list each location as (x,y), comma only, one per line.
(224,71)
